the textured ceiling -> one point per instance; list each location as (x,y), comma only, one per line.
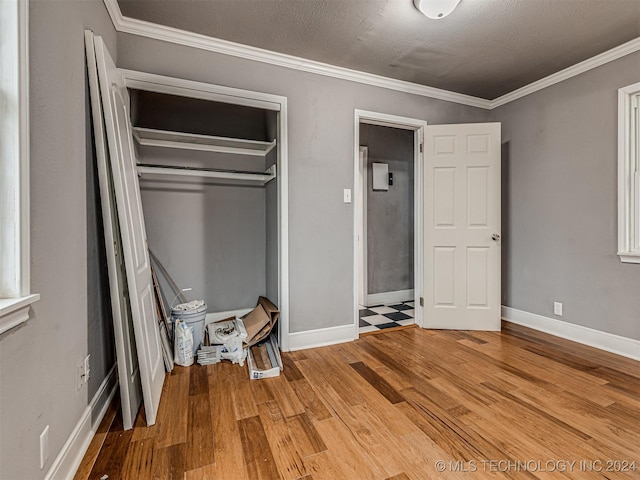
(485,48)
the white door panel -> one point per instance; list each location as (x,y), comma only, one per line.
(128,369)
(115,101)
(461,214)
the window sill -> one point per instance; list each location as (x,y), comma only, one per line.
(629,257)
(15,311)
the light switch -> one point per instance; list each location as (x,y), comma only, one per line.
(347,195)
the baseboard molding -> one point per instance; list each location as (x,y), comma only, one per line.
(217,316)
(387,298)
(322,337)
(73,450)
(626,347)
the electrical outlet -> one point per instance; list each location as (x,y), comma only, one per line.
(44,447)
(87,369)
(82,373)
(557,308)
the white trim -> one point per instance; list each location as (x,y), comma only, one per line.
(194,40)
(283,231)
(245,177)
(68,460)
(388,298)
(570,72)
(321,337)
(361,220)
(14,168)
(25,243)
(189,88)
(203,42)
(629,174)
(207,143)
(217,316)
(14,311)
(152,82)
(629,257)
(418,126)
(627,347)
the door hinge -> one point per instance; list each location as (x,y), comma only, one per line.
(422,301)
(422,148)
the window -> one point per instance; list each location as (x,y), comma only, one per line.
(15,294)
(629,173)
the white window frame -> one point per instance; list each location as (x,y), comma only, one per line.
(629,173)
(15,285)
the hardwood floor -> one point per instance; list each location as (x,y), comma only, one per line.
(408,404)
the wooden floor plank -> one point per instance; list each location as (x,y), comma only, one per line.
(199,450)
(284,448)
(113,451)
(387,407)
(84,471)
(173,412)
(207,472)
(256,450)
(198,382)
(139,461)
(227,445)
(169,462)
(377,382)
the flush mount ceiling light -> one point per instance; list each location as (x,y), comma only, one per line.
(436,8)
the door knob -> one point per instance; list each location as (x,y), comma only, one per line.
(495,237)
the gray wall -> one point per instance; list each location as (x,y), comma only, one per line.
(321,140)
(560,202)
(38,360)
(210,237)
(389,213)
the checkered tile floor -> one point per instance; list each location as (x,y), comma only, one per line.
(386,316)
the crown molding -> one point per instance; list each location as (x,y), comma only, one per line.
(582,67)
(195,40)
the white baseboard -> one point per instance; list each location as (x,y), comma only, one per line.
(217,316)
(627,347)
(68,460)
(388,298)
(322,337)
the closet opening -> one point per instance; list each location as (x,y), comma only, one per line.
(212,174)
(210,203)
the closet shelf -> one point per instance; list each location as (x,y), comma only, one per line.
(240,176)
(192,141)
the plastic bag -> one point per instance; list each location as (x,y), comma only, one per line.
(232,350)
(183,344)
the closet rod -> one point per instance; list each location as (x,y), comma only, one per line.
(263,178)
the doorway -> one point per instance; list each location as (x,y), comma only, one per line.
(388,260)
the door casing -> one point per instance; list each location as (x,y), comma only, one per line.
(418,127)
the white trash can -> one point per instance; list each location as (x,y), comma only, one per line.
(193,314)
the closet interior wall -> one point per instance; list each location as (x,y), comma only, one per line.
(217,236)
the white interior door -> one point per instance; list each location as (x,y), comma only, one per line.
(462,227)
(115,103)
(128,369)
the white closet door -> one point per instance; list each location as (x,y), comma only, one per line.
(462,227)
(128,369)
(115,103)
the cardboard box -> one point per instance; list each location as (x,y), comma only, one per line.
(260,321)
(254,327)
(264,360)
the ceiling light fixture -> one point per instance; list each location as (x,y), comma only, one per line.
(436,8)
